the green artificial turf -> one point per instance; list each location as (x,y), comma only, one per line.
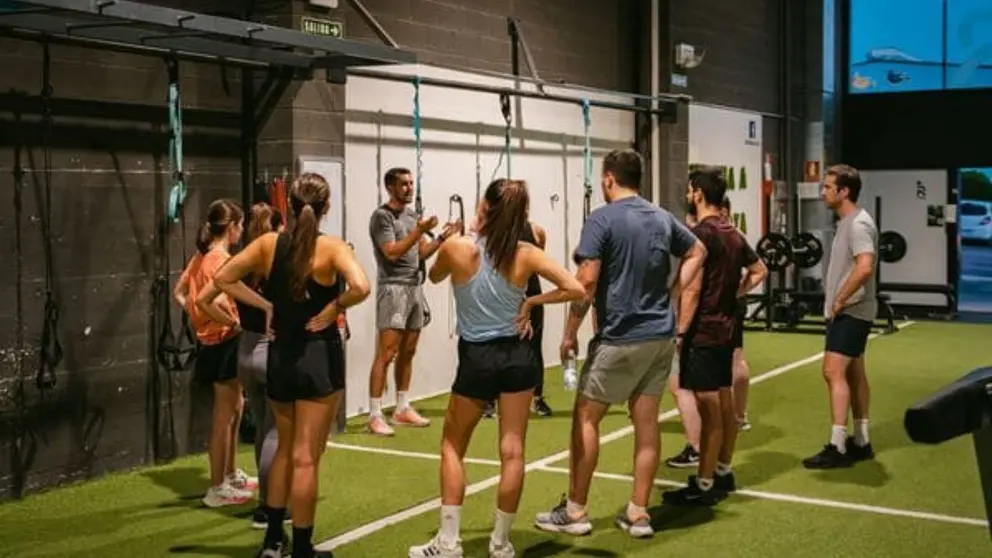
(156,511)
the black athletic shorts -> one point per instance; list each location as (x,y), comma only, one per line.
(217,363)
(847,335)
(312,367)
(704,368)
(489,368)
(738,338)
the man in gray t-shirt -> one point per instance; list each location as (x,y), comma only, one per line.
(399,244)
(850,305)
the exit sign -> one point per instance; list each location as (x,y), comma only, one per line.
(322,27)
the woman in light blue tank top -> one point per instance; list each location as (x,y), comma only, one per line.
(489,274)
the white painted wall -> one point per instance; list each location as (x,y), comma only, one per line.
(729,137)
(449,167)
(902,211)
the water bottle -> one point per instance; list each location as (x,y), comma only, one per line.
(571,374)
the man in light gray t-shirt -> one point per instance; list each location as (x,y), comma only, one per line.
(850,304)
(400,245)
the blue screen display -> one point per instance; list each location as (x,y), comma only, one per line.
(969,44)
(923,45)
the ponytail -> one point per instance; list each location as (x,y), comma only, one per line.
(302,245)
(204,238)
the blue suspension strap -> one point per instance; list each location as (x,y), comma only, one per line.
(587,163)
(418,175)
(51,348)
(174,351)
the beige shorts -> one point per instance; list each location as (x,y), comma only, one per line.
(613,374)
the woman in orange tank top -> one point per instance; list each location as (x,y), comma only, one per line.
(217,332)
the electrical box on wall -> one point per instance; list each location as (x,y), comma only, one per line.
(332,4)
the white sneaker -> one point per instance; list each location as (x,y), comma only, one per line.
(435,549)
(240,480)
(226,495)
(501,551)
(640,529)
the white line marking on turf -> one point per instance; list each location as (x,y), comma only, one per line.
(430,505)
(850,506)
(804,500)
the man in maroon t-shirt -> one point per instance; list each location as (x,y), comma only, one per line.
(706,334)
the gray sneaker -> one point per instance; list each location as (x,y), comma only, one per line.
(559,521)
(640,529)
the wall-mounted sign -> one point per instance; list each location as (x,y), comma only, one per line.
(811,171)
(322,27)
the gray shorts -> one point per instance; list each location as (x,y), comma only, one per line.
(400,307)
(613,374)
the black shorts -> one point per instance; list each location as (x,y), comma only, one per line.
(489,368)
(738,338)
(310,368)
(847,335)
(217,363)
(703,368)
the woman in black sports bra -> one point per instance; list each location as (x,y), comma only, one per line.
(305,374)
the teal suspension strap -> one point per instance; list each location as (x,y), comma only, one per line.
(419,200)
(587,160)
(174,351)
(178,193)
(418,146)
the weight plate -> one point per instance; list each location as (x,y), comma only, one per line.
(775,250)
(807,250)
(891,247)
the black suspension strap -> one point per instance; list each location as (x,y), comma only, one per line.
(504,108)
(51,348)
(175,351)
(456,210)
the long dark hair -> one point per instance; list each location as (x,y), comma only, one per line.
(262,218)
(220,215)
(504,221)
(308,201)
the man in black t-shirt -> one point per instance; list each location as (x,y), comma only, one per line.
(707,326)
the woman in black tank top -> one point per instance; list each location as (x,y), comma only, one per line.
(303,297)
(536,235)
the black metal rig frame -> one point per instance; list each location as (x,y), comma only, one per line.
(280,54)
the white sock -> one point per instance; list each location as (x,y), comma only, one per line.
(838,437)
(451,518)
(375,407)
(861,432)
(574,509)
(722,469)
(501,527)
(634,511)
(704,484)
(402,401)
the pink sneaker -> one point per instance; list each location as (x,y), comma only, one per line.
(378,426)
(409,417)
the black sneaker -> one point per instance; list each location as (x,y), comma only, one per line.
(541,407)
(490,409)
(692,495)
(686,459)
(859,453)
(725,483)
(829,458)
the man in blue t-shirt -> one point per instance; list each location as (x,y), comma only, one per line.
(624,263)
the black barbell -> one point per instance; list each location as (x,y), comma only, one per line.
(805,250)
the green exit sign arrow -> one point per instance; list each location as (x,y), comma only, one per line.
(322,27)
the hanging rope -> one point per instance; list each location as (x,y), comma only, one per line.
(378,157)
(51,348)
(587,163)
(504,107)
(174,351)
